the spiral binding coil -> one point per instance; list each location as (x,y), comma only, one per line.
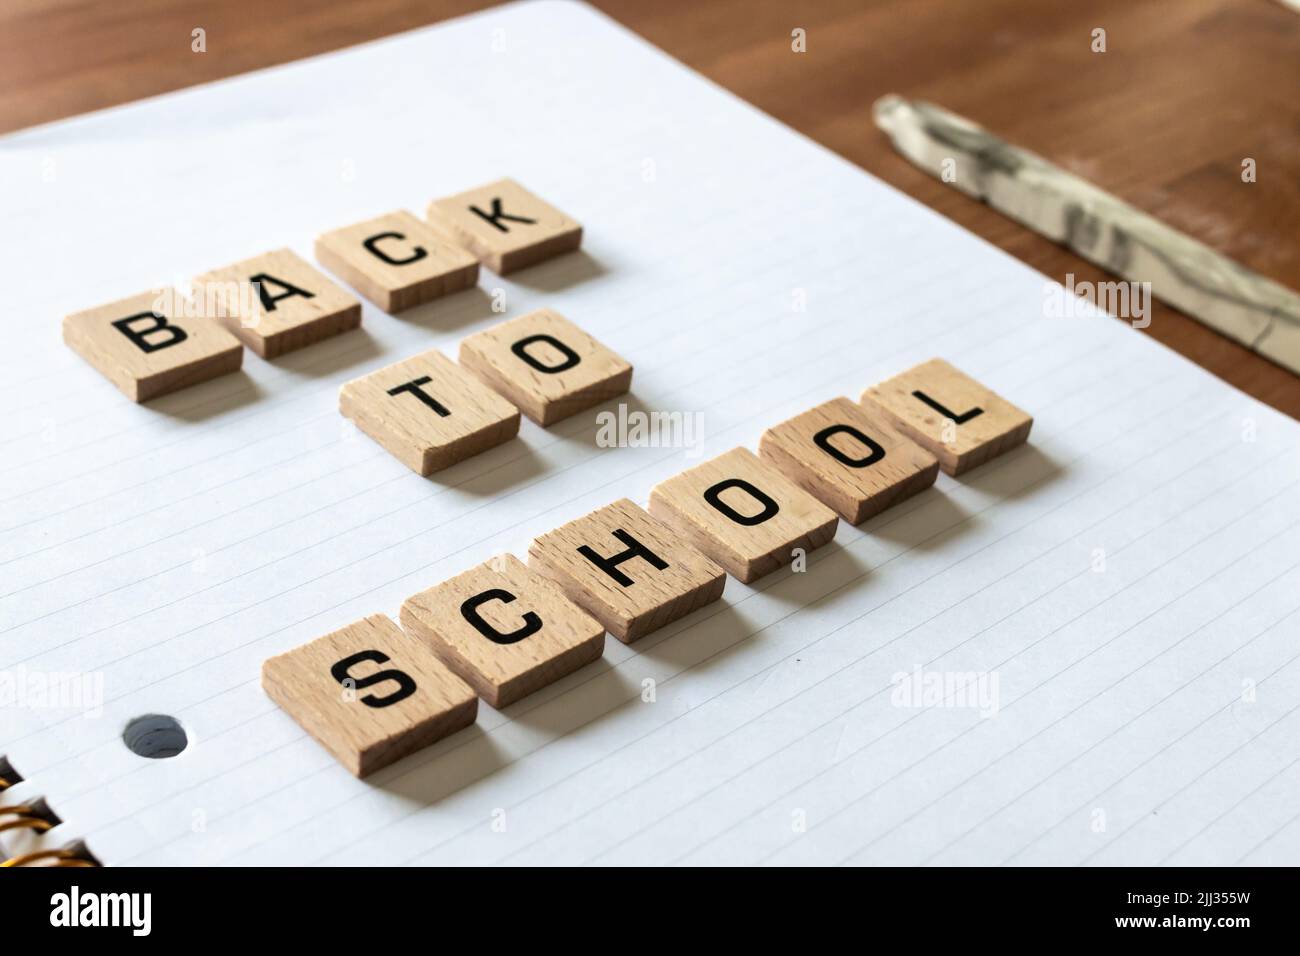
(25,817)
(58,858)
(39,819)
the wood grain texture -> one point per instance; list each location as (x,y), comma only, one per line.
(950,415)
(508,227)
(1163,119)
(539,634)
(428,412)
(850,457)
(643,592)
(699,504)
(402,697)
(292,306)
(547,383)
(396,261)
(175,351)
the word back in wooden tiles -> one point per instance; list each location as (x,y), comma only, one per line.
(144,347)
(505,225)
(276,302)
(396,261)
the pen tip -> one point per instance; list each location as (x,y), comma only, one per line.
(887,110)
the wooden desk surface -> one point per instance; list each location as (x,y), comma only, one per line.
(1185,91)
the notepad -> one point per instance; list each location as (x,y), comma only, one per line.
(1081,652)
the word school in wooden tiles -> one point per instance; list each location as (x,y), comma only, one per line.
(376,690)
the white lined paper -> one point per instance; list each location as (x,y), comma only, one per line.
(266,524)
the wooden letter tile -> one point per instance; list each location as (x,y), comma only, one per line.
(743,514)
(505,225)
(850,457)
(369,693)
(946,411)
(146,349)
(506,630)
(628,570)
(396,261)
(290,305)
(546,365)
(428,412)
